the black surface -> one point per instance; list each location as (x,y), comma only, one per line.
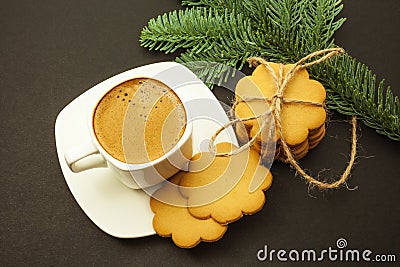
(52,51)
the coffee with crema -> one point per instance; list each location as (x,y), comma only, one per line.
(139,120)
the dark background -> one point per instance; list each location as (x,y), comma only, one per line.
(52,51)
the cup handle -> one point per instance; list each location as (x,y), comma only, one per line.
(84,157)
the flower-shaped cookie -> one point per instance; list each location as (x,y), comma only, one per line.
(176,221)
(221,190)
(297,119)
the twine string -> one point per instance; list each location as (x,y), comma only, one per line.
(276,101)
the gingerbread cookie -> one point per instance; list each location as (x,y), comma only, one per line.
(221,191)
(300,122)
(176,221)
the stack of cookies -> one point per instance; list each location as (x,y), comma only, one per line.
(198,205)
(302,113)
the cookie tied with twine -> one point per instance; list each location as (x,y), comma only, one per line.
(281,79)
(302,112)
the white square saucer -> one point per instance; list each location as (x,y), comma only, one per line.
(116,209)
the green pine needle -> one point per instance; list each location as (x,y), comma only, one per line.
(230,31)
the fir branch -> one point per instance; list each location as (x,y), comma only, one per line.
(229,31)
(351,90)
(207,35)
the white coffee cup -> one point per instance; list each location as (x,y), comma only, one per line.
(178,78)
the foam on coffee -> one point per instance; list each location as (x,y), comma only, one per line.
(139,120)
